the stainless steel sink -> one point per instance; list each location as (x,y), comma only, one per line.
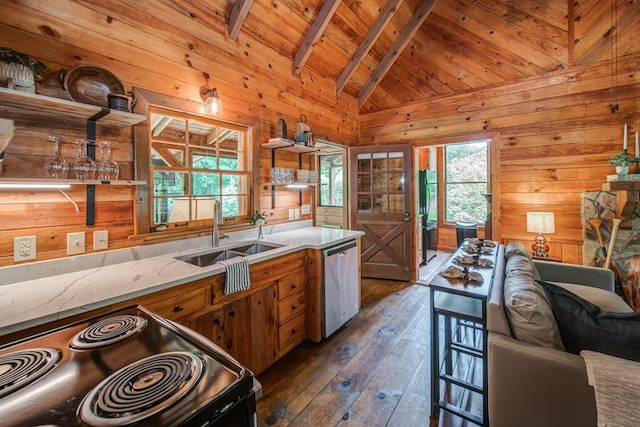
(209,258)
(255,248)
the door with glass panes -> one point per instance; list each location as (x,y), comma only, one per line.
(381,208)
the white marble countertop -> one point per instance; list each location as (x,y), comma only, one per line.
(69,286)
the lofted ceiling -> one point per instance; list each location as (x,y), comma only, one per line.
(390,52)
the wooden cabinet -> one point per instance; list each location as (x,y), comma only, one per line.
(257,326)
(291,311)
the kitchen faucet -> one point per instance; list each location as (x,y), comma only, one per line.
(217,219)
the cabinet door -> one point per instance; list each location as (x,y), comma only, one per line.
(237,330)
(264,331)
(210,325)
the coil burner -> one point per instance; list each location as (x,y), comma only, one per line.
(141,389)
(23,367)
(108,331)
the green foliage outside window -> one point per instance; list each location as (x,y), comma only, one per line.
(466,180)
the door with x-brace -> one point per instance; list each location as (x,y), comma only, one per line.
(381,208)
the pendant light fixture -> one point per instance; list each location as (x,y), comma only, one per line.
(212,103)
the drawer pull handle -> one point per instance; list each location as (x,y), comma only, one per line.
(294,307)
(216,322)
(177,309)
(293,286)
(294,331)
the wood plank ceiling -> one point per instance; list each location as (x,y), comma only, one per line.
(449,46)
(387,53)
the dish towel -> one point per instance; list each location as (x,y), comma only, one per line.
(616,384)
(237,275)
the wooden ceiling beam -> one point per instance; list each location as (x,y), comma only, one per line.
(317,28)
(398,46)
(367,43)
(237,17)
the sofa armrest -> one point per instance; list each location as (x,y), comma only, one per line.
(579,274)
(533,386)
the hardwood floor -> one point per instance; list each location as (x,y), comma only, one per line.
(375,371)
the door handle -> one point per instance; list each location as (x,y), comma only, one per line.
(407,217)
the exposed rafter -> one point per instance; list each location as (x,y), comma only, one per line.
(317,28)
(378,27)
(237,17)
(398,46)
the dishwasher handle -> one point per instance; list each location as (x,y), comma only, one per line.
(339,248)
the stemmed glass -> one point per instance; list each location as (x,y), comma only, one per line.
(83,167)
(56,166)
(106,168)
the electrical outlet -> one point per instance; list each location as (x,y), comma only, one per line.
(75,243)
(306,209)
(24,248)
(100,240)
(291,215)
(296,213)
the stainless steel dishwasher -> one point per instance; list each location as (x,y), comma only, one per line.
(341,286)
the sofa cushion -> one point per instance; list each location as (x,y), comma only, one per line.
(527,306)
(584,326)
(518,248)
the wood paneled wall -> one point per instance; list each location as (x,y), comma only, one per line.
(170,53)
(551,139)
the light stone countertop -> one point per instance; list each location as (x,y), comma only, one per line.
(38,293)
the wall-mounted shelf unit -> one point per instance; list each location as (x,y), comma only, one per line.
(288,145)
(34,107)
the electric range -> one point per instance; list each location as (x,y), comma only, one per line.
(130,367)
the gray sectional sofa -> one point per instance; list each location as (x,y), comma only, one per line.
(533,381)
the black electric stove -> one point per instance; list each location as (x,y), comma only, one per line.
(127,368)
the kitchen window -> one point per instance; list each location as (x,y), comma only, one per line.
(466,179)
(195,160)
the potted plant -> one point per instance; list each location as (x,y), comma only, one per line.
(18,69)
(621,161)
(258,218)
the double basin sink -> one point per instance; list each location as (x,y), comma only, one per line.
(211,257)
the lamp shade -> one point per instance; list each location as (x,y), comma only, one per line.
(540,222)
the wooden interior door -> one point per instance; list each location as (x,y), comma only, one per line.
(380,178)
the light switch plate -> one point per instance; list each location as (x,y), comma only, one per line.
(306,209)
(75,243)
(24,248)
(100,240)
(296,213)
(291,215)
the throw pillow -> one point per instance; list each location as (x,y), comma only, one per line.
(585,326)
(529,312)
(518,248)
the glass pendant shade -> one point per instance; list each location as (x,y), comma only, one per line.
(213,104)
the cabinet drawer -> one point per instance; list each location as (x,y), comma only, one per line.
(291,284)
(291,307)
(180,305)
(291,334)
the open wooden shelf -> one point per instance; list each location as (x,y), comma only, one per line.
(288,145)
(34,105)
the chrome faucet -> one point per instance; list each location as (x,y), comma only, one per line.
(217,220)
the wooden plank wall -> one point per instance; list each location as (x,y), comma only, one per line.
(551,139)
(148,46)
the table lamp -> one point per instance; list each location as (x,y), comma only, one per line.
(540,222)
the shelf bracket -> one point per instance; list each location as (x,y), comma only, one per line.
(91,152)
